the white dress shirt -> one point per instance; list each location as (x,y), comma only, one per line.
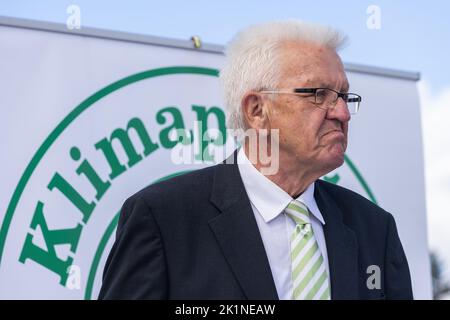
(268,202)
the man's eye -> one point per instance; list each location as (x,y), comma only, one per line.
(321,95)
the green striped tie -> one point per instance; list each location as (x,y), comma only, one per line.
(309,274)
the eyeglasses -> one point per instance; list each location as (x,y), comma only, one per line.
(324,98)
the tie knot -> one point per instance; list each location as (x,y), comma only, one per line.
(298,212)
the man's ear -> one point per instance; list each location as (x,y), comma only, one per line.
(253,110)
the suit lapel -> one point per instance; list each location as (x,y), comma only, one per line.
(238,235)
(342,247)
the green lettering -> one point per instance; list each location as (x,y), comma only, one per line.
(204,139)
(177,125)
(123,136)
(48,258)
(89,172)
(72,195)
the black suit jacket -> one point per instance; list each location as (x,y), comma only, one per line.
(195,237)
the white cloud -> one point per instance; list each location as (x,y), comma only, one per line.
(436,134)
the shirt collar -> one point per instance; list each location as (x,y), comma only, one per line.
(267,197)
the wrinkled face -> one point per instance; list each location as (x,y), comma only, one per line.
(310,136)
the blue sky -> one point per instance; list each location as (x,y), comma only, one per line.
(413,36)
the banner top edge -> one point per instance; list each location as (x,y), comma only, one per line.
(176,43)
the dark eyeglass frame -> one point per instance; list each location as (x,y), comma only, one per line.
(355,98)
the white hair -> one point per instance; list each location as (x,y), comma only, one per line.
(252,63)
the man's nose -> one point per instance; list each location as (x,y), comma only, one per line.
(339,111)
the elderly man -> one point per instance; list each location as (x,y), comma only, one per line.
(232,231)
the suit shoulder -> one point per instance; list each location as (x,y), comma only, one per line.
(350,201)
(178,186)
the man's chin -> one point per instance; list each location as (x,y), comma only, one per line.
(335,157)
